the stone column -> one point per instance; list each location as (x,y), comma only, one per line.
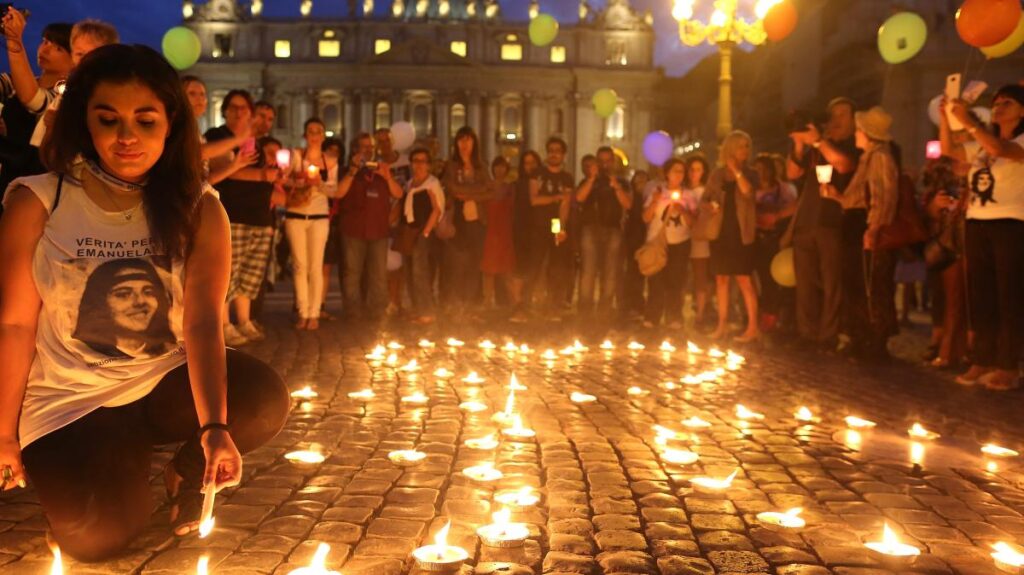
(442,125)
(473,111)
(398,106)
(573,154)
(348,118)
(489,131)
(366,111)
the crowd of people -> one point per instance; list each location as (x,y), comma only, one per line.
(126,233)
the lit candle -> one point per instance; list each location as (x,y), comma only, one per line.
(695,423)
(484,473)
(377,353)
(416,397)
(443,373)
(317,565)
(452,342)
(635,346)
(514,384)
(485,442)
(519,499)
(607,345)
(804,414)
(917,431)
(668,385)
(363,394)
(556,226)
(305,456)
(202,566)
(505,416)
(525,350)
(284,158)
(517,431)
(789,520)
(637,391)
(440,556)
(549,354)
(691,380)
(733,357)
(569,350)
(853,439)
(743,413)
(858,423)
(679,456)
(206,515)
(666,347)
(712,485)
(693,348)
(411,366)
(503,534)
(312,171)
(473,378)
(577,397)
(998,451)
(487,344)
(406,457)
(917,453)
(1008,559)
(304,393)
(890,551)
(579,347)
(57,567)
(426,344)
(716,353)
(392,359)
(394,345)
(473,406)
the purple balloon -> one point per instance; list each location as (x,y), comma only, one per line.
(658,147)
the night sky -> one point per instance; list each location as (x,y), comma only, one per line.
(145,21)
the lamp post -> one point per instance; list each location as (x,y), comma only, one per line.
(725,29)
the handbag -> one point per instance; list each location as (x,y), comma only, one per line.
(907,227)
(652,257)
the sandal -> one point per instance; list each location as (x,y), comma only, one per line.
(186,503)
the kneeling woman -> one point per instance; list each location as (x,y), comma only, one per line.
(115,263)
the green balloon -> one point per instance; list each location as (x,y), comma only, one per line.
(605,100)
(181,47)
(543,29)
(901,37)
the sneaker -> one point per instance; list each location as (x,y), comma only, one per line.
(251,332)
(232,337)
(972,375)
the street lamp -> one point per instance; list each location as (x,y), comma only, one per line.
(725,29)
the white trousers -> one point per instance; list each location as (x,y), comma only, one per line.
(307,239)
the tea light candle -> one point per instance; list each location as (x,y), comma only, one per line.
(804,414)
(503,534)
(440,556)
(549,354)
(473,406)
(579,347)
(998,451)
(743,413)
(406,457)
(695,423)
(570,350)
(733,357)
(305,456)
(484,473)
(363,394)
(510,347)
(577,397)
(635,346)
(443,373)
(517,431)
(312,171)
(668,385)
(556,226)
(712,485)
(607,345)
(789,520)
(691,380)
(317,565)
(637,391)
(305,393)
(473,378)
(417,398)
(392,359)
(525,350)
(485,442)
(411,366)
(1008,559)
(426,344)
(679,456)
(514,384)
(377,353)
(452,342)
(716,353)
(487,345)
(519,499)
(394,345)
(891,552)
(918,432)
(859,423)
(666,347)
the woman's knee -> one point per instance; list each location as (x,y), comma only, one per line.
(258,400)
(97,541)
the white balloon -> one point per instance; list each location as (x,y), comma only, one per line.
(984,114)
(934,111)
(403,135)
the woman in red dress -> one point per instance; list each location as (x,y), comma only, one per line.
(499,255)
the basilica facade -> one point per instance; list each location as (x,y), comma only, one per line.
(439,64)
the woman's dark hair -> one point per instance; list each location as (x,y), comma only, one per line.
(1013,92)
(174,183)
(766,161)
(521,171)
(333,141)
(226,103)
(499,161)
(59,33)
(474,155)
(696,160)
(636,176)
(420,151)
(671,163)
(313,120)
(96,326)
(189,78)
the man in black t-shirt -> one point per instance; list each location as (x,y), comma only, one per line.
(816,228)
(550,195)
(604,197)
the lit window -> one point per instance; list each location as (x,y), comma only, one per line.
(558,54)
(328,33)
(329,48)
(459,48)
(282,49)
(381,45)
(616,53)
(222,46)
(615,126)
(511,51)
(511,38)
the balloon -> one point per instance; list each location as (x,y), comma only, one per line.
(783,271)
(658,147)
(984,114)
(543,29)
(605,100)
(403,135)
(1008,46)
(181,47)
(987,22)
(935,110)
(901,37)
(780,21)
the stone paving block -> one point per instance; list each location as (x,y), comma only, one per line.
(374,566)
(567,543)
(559,562)
(385,547)
(798,569)
(724,541)
(269,543)
(290,526)
(626,562)
(256,563)
(614,521)
(716,522)
(845,555)
(617,540)
(396,529)
(337,532)
(786,555)
(656,530)
(737,562)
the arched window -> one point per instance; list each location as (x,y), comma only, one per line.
(615,125)
(421,119)
(510,122)
(383,117)
(330,113)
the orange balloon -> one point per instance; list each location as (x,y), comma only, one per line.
(780,21)
(987,22)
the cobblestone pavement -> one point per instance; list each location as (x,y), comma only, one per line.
(610,500)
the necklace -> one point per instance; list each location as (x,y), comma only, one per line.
(108,181)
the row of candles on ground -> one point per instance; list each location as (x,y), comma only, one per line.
(387,353)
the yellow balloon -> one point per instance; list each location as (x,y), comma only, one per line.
(1007,46)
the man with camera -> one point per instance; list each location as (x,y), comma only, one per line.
(816,229)
(365,192)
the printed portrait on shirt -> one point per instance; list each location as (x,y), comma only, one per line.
(983,186)
(125,308)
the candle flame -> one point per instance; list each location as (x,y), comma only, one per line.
(695,422)
(743,412)
(998,451)
(486,442)
(889,537)
(667,347)
(715,352)
(919,431)
(502,517)
(452,342)
(795,512)
(525,349)
(693,348)
(309,456)
(549,354)
(607,345)
(426,343)
(579,346)
(487,344)
(635,346)
(510,401)
(392,359)
(804,414)
(395,345)
(1007,554)
(305,393)
(634,390)
(57,568)
(578,397)
(713,483)
(411,366)
(441,537)
(857,422)
(202,566)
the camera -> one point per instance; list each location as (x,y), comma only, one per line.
(797,121)
(371,165)
(5,6)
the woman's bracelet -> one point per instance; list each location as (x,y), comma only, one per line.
(209,426)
